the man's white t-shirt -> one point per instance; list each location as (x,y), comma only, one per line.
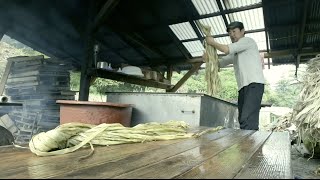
(245,57)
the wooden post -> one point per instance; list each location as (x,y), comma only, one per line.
(169,73)
(88,61)
(1,35)
(85,76)
(194,68)
(3,31)
(95,20)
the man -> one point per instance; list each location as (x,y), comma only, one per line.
(243,53)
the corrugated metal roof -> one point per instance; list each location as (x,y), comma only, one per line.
(205,6)
(194,47)
(232,4)
(183,31)
(223,40)
(251,19)
(260,38)
(216,23)
(313,29)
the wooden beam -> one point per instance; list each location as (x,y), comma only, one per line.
(102,43)
(266,31)
(302,29)
(127,78)
(104,12)
(224,35)
(175,39)
(229,11)
(271,54)
(189,7)
(179,44)
(223,14)
(185,77)
(140,42)
(169,72)
(303,52)
(268,50)
(196,30)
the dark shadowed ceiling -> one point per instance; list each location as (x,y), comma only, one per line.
(160,32)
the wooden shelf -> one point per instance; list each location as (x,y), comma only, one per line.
(107,74)
(10,104)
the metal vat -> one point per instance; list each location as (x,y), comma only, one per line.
(195,109)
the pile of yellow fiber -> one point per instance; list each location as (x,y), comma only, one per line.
(212,64)
(69,137)
(306,112)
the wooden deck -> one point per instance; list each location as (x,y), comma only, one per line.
(228,153)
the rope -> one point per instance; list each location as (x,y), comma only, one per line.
(212,64)
(70,137)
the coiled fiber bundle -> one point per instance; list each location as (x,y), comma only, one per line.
(69,137)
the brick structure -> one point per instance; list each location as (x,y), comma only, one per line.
(37,83)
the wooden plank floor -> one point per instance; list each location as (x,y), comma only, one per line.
(228,153)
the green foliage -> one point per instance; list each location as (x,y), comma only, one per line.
(229,88)
(287,93)
(269,96)
(195,84)
(75,81)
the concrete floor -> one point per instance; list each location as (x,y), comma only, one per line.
(302,167)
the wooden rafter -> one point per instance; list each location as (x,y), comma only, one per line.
(223,14)
(127,78)
(142,43)
(225,35)
(103,14)
(190,8)
(271,54)
(266,31)
(228,11)
(175,39)
(302,30)
(194,68)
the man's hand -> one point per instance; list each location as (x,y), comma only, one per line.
(205,56)
(221,47)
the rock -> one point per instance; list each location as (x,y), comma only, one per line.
(6,138)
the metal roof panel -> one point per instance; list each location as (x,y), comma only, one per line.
(232,4)
(216,23)
(251,19)
(183,31)
(206,6)
(194,47)
(260,39)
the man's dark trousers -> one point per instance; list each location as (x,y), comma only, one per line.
(249,103)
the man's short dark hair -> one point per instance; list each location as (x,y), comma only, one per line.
(235,24)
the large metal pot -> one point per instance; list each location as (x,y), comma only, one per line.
(102,65)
